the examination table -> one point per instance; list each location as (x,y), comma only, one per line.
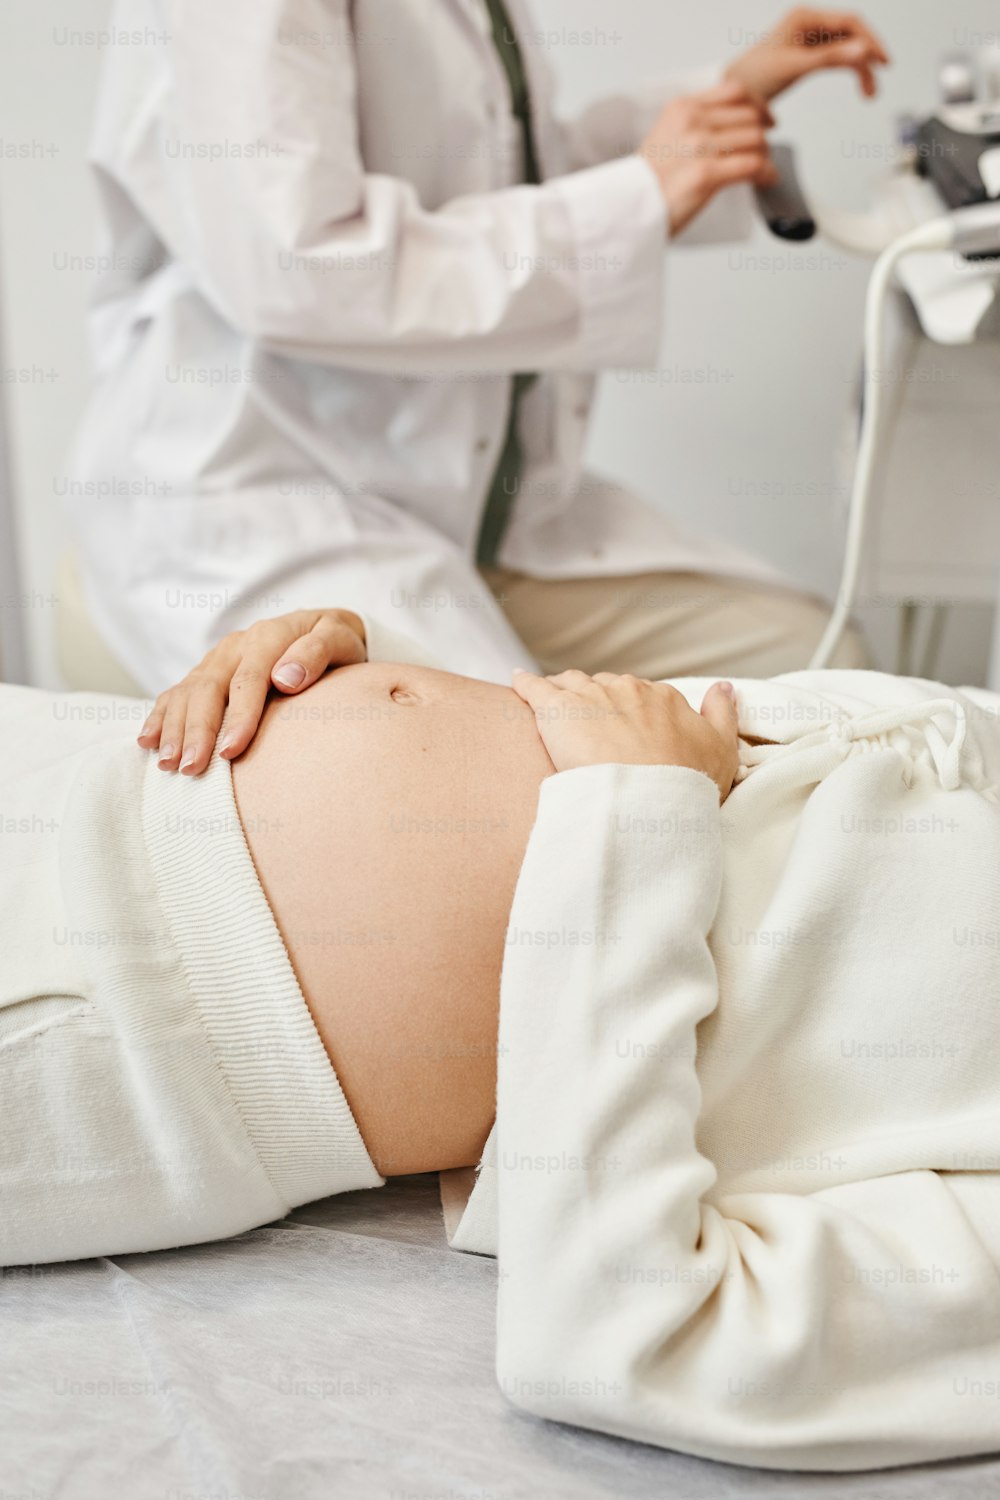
(344,1352)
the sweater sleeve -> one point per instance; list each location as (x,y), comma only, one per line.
(857,1327)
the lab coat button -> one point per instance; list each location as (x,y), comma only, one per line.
(581,412)
(482,445)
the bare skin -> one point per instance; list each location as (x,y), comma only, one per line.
(387,812)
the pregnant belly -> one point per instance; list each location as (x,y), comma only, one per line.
(387,811)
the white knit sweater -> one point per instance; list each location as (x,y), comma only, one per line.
(745,1180)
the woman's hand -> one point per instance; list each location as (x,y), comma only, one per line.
(809,41)
(703,143)
(289,653)
(592,721)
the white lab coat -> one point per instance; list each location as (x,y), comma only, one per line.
(320,273)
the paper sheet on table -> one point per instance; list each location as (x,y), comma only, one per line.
(344,1352)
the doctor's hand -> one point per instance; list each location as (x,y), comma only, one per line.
(611,720)
(289,653)
(810,41)
(705,142)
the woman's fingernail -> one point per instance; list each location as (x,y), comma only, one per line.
(729,690)
(224,744)
(290,675)
(167,752)
(189,760)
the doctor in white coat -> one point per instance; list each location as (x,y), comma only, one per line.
(359,281)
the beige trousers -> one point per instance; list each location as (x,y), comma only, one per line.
(655,625)
(659,625)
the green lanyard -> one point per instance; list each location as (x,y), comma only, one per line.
(509,49)
(507,479)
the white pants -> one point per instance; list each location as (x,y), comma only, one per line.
(161,1079)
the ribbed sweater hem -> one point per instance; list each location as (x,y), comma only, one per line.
(263,1037)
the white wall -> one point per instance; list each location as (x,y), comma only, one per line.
(754,456)
(751,454)
(47,88)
